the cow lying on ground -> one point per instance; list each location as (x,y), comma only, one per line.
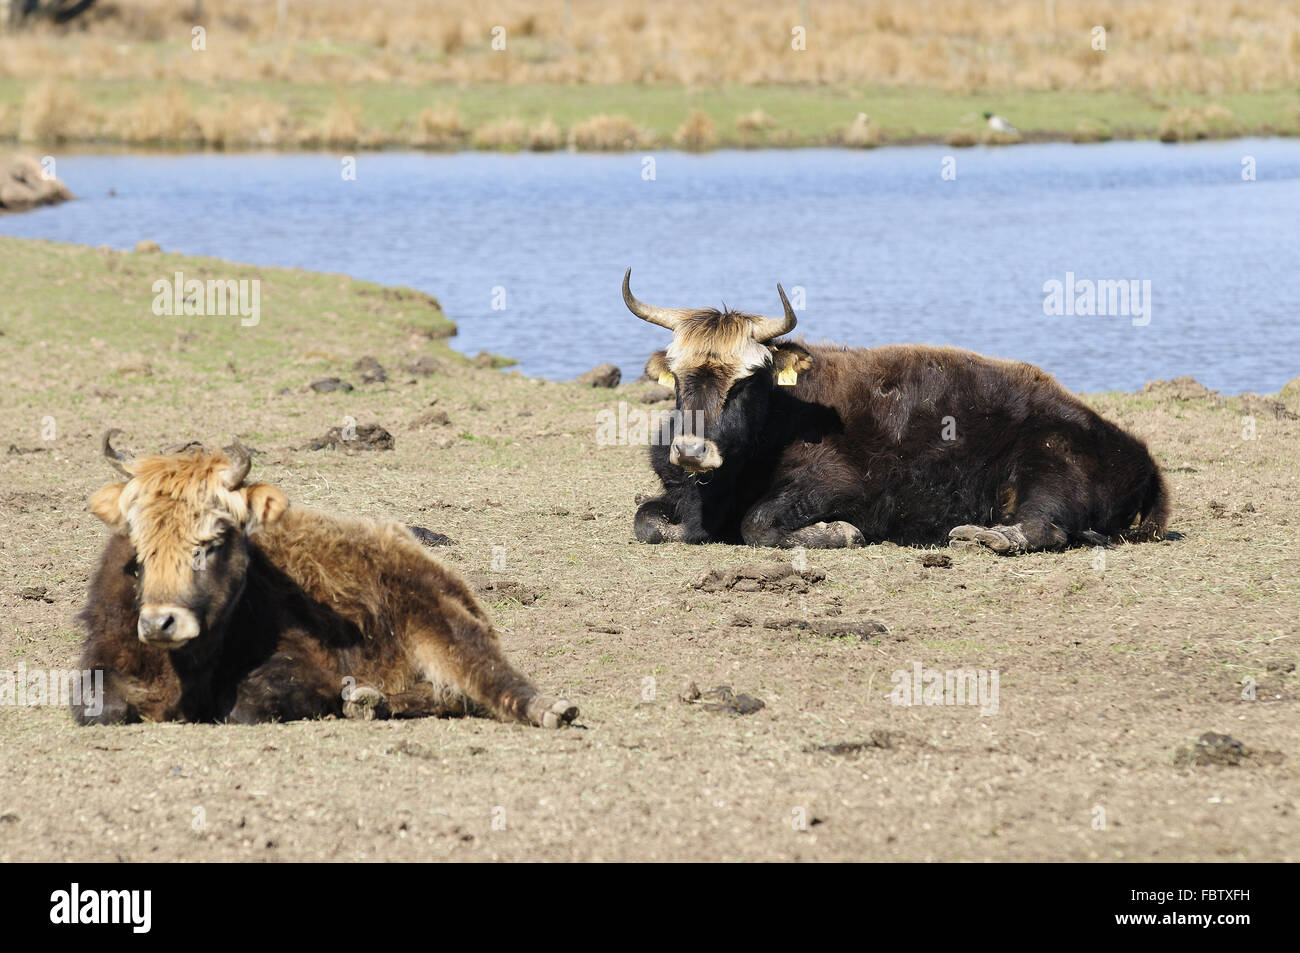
(217,601)
(781,444)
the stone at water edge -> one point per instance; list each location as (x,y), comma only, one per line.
(24,185)
(602,375)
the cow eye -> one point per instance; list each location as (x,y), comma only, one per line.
(133,568)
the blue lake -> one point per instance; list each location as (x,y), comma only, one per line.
(884,247)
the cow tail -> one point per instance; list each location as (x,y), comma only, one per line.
(1154,515)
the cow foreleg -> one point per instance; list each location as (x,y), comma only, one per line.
(288,687)
(655,524)
(113,706)
(783,522)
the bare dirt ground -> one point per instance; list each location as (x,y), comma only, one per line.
(1109,670)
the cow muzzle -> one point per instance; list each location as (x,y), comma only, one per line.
(695,454)
(166,626)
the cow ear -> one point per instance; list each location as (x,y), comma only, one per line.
(657,367)
(106,504)
(789,361)
(265,505)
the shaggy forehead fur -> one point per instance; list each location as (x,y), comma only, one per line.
(175,502)
(723,339)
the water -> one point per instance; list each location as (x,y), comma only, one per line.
(885,248)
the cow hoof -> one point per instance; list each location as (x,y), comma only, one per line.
(1005,540)
(548,712)
(365,704)
(841,535)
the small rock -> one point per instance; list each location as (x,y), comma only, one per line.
(25,184)
(602,375)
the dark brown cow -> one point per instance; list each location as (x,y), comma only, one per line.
(217,601)
(784,444)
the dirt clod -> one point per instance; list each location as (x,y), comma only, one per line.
(936,560)
(759,577)
(1218,750)
(496,589)
(371,371)
(723,700)
(879,739)
(326,385)
(426,366)
(431,418)
(1180,388)
(36,594)
(429,538)
(364,437)
(864,629)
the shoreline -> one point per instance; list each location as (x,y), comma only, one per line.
(440,329)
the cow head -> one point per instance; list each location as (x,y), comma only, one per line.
(722,366)
(188,514)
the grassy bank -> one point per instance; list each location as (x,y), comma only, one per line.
(1112,665)
(270,114)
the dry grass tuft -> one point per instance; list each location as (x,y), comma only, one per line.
(54,113)
(1194,46)
(962,138)
(248,123)
(439,128)
(510,135)
(1090,130)
(1207,122)
(546,136)
(605,133)
(165,118)
(697,133)
(341,127)
(862,133)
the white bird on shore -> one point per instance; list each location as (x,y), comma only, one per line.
(998,124)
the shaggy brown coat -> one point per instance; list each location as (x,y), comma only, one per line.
(303,614)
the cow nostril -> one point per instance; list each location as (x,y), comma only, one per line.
(168,624)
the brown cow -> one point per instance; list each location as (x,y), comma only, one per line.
(215,600)
(779,444)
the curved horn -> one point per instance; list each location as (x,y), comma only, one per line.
(240,461)
(664,317)
(769,328)
(116,457)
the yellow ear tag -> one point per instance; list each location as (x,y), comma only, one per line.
(666,379)
(787,377)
